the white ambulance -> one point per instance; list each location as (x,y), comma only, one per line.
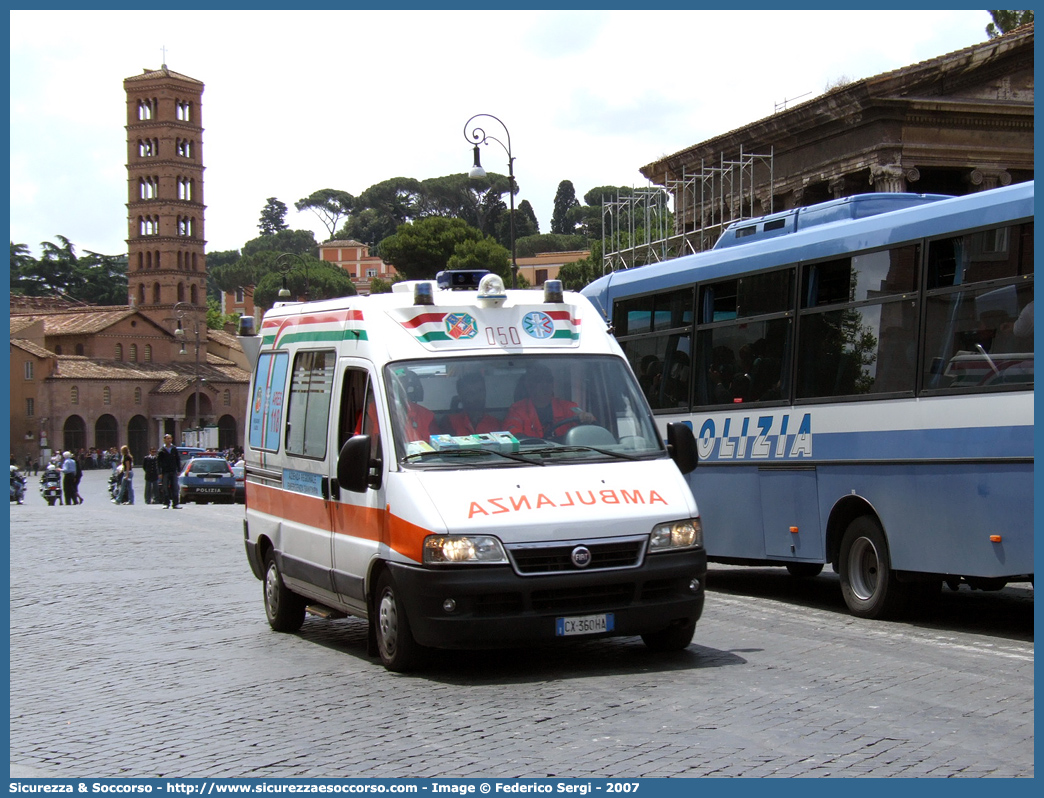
(464,469)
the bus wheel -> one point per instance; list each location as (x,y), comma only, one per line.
(399,651)
(284,608)
(805,570)
(867,581)
(673,638)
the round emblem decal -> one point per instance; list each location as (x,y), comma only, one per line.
(581,556)
(460,325)
(538,325)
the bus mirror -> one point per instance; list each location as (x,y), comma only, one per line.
(356,470)
(681,445)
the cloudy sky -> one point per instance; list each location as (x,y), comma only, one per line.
(296,101)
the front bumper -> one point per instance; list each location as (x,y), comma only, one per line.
(207,493)
(495,607)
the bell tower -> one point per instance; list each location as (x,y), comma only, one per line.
(165,241)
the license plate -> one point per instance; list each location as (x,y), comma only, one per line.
(210,479)
(584,625)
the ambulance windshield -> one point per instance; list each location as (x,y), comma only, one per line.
(502,410)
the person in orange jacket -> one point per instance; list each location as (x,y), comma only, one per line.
(472,418)
(541,414)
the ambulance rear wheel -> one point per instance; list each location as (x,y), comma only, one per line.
(673,638)
(399,651)
(284,608)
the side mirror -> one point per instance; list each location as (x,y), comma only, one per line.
(681,446)
(356,470)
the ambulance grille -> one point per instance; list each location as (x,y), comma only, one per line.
(558,558)
(588,597)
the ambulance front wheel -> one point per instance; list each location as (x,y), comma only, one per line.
(284,608)
(673,638)
(399,651)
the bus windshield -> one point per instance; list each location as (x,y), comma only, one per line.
(512,410)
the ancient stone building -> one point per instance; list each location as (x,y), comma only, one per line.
(954,124)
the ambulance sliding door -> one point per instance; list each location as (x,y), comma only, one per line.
(306,532)
(356,518)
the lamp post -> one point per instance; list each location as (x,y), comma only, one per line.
(479,136)
(284,292)
(179,333)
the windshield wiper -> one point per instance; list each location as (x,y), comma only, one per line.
(470,453)
(574,449)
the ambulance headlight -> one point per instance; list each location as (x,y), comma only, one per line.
(687,534)
(446,549)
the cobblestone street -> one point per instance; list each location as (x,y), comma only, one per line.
(139,647)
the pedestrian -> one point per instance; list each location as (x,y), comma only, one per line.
(69,478)
(76,486)
(151,467)
(127,483)
(169,462)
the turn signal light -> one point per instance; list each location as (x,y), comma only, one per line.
(995,538)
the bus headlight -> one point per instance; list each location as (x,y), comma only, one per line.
(687,534)
(442,549)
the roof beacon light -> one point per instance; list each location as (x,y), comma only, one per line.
(246,325)
(491,286)
(553,292)
(423,294)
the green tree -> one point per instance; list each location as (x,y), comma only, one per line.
(368,226)
(482,254)
(330,205)
(549,242)
(55,271)
(565,198)
(101,279)
(216,262)
(379,286)
(526,223)
(576,275)
(22,263)
(273,217)
(419,250)
(1004,21)
(300,242)
(381,208)
(216,320)
(324,281)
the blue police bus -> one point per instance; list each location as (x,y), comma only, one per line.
(859,377)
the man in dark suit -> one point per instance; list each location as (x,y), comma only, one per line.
(169,462)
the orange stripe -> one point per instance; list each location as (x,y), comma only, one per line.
(366,523)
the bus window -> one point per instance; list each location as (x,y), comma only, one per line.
(862,350)
(981,335)
(745,363)
(742,355)
(980,338)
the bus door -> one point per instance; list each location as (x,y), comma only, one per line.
(790,513)
(356,518)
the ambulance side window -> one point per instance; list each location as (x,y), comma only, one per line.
(308,408)
(358,414)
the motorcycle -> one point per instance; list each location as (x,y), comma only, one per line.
(51,486)
(17,485)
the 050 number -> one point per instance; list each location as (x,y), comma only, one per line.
(502,336)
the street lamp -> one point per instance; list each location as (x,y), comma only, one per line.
(179,333)
(284,292)
(479,136)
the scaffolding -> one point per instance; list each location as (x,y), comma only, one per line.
(641,228)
